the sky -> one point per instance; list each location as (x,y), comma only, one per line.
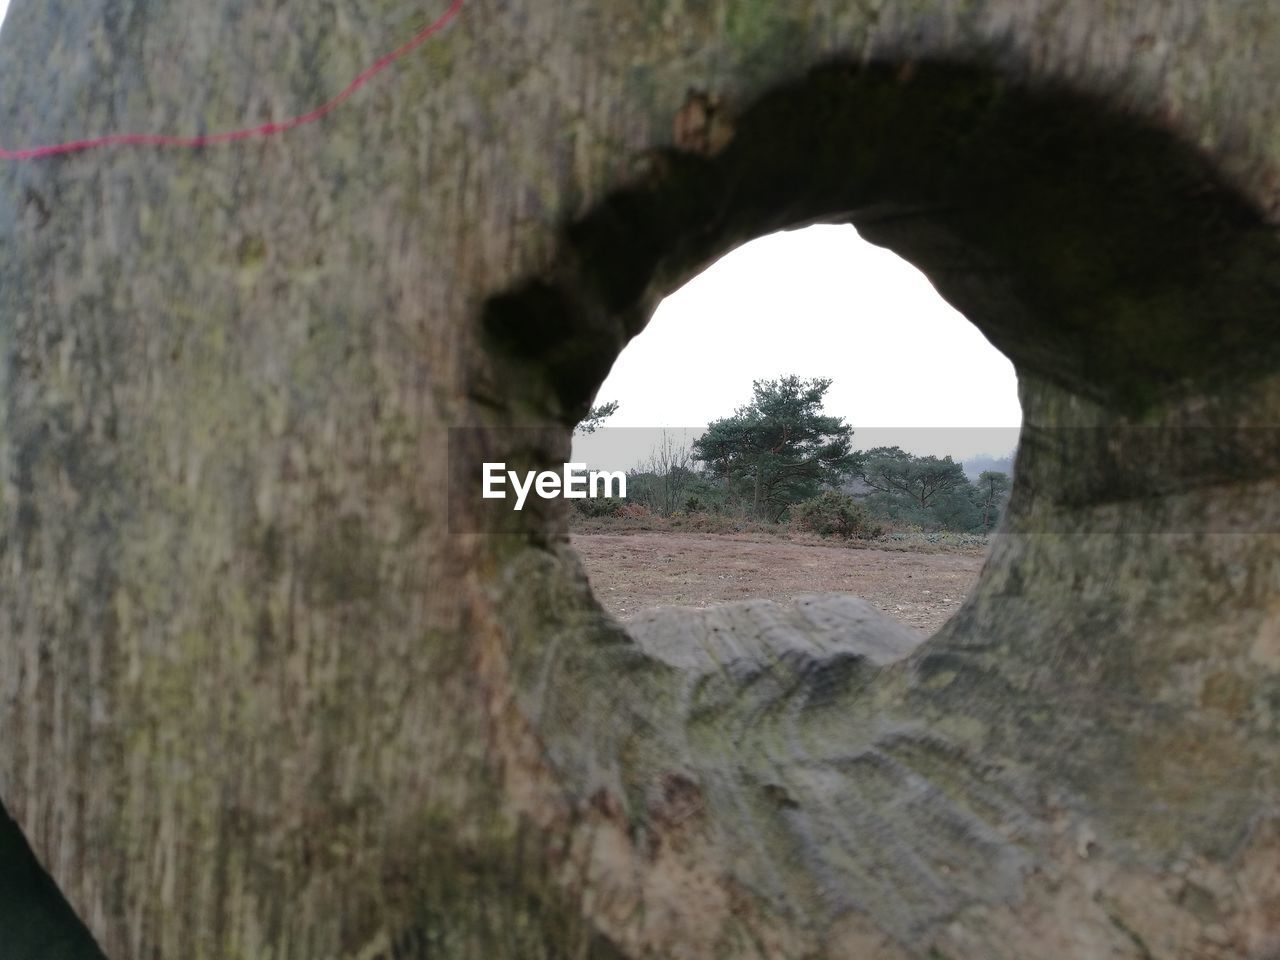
(907,368)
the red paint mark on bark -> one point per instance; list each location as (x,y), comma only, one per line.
(248,133)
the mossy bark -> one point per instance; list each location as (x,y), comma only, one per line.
(268,692)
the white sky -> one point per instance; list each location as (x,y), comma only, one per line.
(821,302)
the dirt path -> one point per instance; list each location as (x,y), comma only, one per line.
(631,572)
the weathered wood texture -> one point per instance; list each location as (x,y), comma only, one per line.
(265,692)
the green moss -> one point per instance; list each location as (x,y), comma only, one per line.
(750,23)
(252,250)
(343,563)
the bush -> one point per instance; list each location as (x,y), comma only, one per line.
(634,511)
(598,506)
(834,514)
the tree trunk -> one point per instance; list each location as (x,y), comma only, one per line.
(272,686)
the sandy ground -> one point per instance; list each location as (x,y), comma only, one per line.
(631,572)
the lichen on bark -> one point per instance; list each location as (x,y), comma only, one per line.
(265,694)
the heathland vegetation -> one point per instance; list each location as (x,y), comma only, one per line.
(780,460)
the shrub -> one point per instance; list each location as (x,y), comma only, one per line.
(634,511)
(598,506)
(833,514)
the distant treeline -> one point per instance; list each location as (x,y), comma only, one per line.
(780,458)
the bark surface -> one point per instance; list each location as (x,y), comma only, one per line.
(272,685)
